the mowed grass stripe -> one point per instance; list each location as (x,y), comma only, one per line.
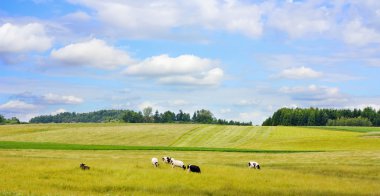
(59,146)
(217,136)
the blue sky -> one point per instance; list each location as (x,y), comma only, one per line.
(242,60)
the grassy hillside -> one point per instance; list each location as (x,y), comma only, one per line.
(44,160)
(193,135)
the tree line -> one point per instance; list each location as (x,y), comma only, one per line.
(324,117)
(12,120)
(130,116)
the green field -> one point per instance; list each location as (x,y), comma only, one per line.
(43,159)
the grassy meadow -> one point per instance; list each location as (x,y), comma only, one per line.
(43,159)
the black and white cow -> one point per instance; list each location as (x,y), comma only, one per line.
(253,164)
(177,163)
(193,168)
(166,159)
(155,162)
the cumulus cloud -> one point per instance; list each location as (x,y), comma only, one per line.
(234,16)
(77,16)
(47,99)
(141,18)
(182,70)
(16,106)
(357,34)
(61,99)
(299,73)
(313,93)
(94,53)
(23,38)
(299,19)
(209,78)
(164,65)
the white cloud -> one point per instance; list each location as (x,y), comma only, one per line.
(313,93)
(61,99)
(184,69)
(77,16)
(356,33)
(61,110)
(16,105)
(22,38)
(245,102)
(94,52)
(210,78)
(299,19)
(299,73)
(234,16)
(142,19)
(163,65)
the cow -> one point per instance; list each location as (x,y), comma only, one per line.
(253,164)
(166,159)
(84,166)
(155,162)
(177,163)
(193,168)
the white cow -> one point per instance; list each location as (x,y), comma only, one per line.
(155,162)
(177,163)
(253,164)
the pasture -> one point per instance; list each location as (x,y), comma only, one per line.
(43,159)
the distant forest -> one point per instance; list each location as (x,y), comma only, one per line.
(324,117)
(12,120)
(129,116)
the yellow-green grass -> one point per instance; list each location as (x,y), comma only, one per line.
(193,135)
(102,133)
(349,128)
(55,172)
(348,165)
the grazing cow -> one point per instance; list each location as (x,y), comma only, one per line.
(253,164)
(193,168)
(177,163)
(84,167)
(155,162)
(166,159)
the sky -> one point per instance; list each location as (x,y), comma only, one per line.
(242,60)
